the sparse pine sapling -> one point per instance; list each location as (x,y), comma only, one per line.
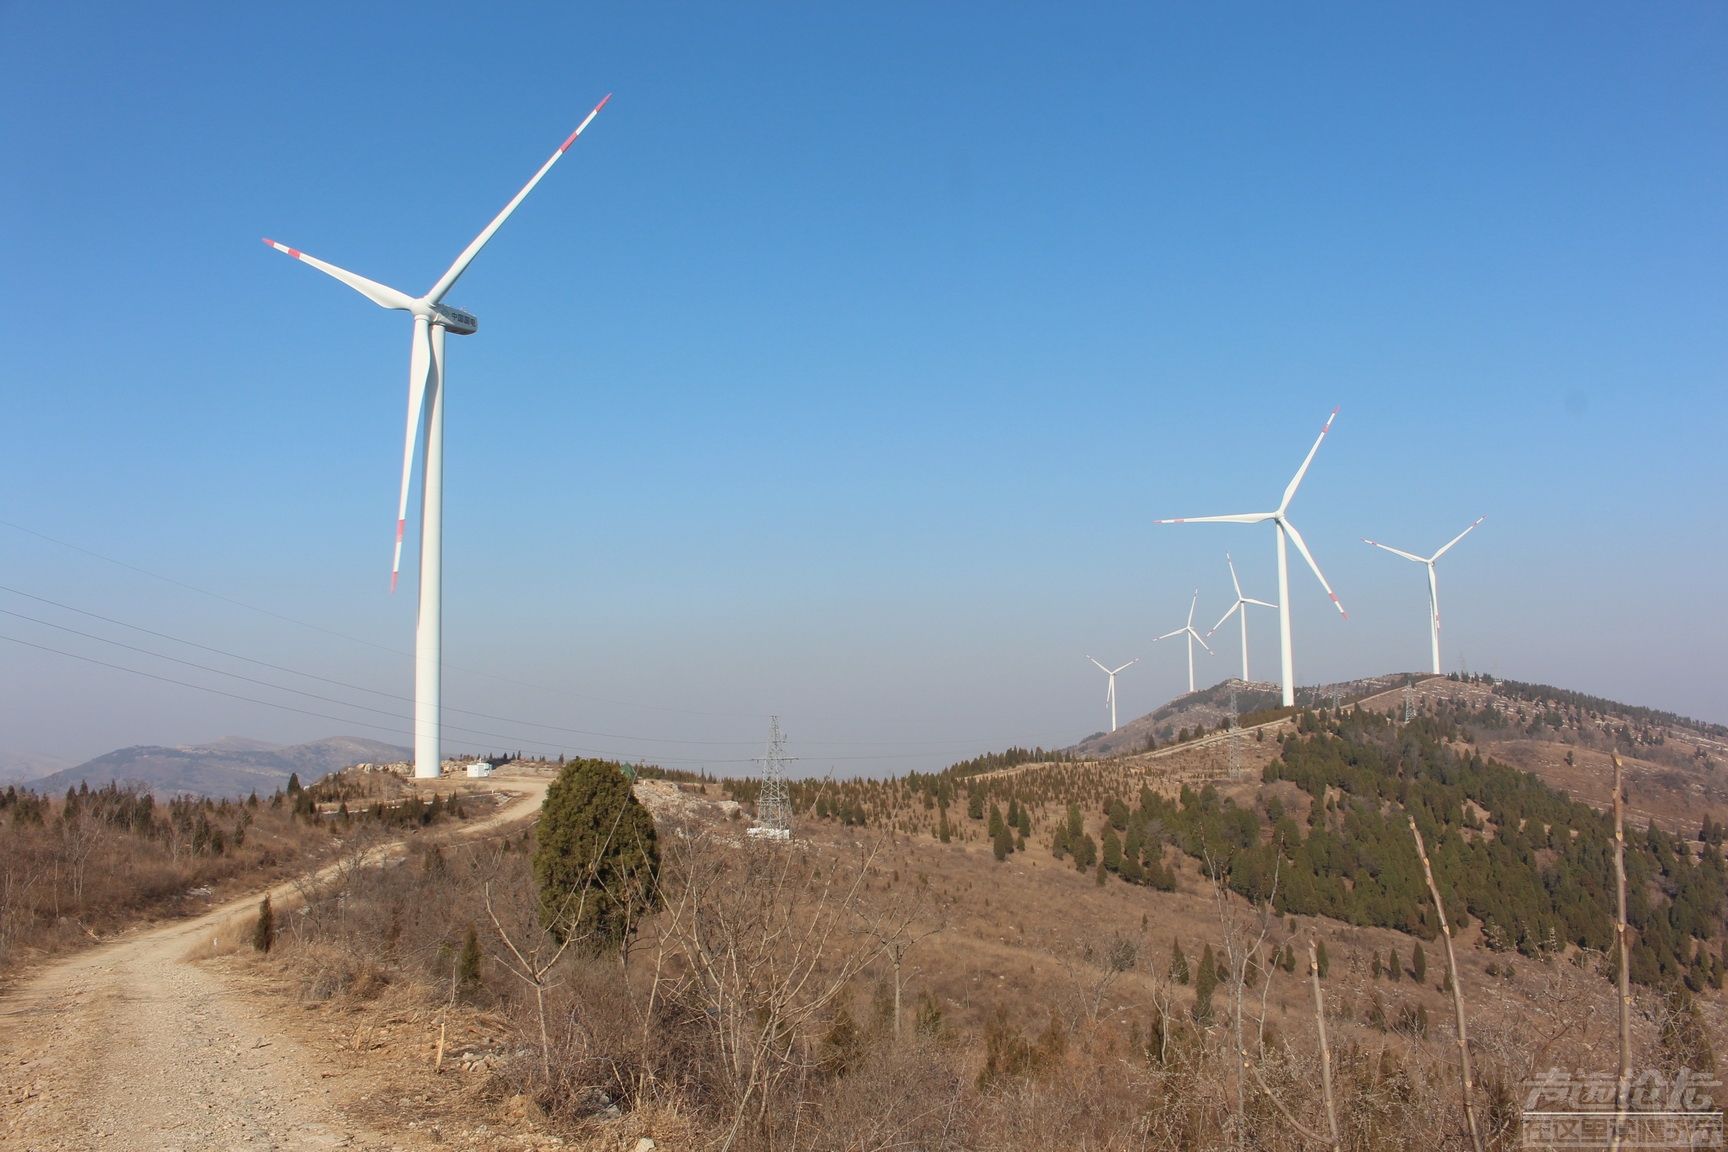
(468,963)
(1205,983)
(1178,963)
(264,928)
(1321,960)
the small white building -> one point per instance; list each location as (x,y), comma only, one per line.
(480,768)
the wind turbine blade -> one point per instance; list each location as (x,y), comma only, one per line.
(380,294)
(1193,604)
(1455,539)
(419,366)
(1244,518)
(1234,608)
(1167,635)
(1130,664)
(1303,471)
(448,280)
(1233,579)
(1398,551)
(1262,603)
(1302,547)
(1101,667)
(1203,643)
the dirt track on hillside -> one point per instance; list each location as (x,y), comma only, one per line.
(130,1046)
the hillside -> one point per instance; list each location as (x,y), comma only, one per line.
(21,767)
(232,766)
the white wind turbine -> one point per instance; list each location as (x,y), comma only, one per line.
(1241,606)
(432,319)
(1433,585)
(1281,522)
(1192,635)
(1110,692)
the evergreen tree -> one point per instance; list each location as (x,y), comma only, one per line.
(1002,842)
(468,963)
(1321,960)
(1394,966)
(1112,858)
(1418,963)
(975,802)
(264,928)
(943,831)
(1374,964)
(997,824)
(1024,824)
(597,857)
(1013,811)
(1205,983)
(1099,874)
(1117,813)
(1085,852)
(1178,963)
(294,788)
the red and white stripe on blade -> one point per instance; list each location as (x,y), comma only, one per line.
(419,367)
(1303,471)
(380,294)
(448,280)
(1302,547)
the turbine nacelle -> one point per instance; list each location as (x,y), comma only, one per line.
(454,320)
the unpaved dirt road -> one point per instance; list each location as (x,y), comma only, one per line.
(131,1047)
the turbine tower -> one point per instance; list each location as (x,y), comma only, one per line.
(1110,692)
(1192,635)
(1241,606)
(432,320)
(1281,523)
(1433,585)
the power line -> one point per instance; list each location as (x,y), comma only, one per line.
(513,739)
(399,652)
(380,691)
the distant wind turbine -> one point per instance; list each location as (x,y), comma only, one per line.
(1188,630)
(432,319)
(1110,692)
(1241,606)
(1281,522)
(1433,585)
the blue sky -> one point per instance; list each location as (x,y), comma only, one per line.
(841,368)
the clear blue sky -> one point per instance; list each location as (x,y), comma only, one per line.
(842,367)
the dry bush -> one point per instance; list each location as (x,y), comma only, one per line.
(76,869)
(756,1011)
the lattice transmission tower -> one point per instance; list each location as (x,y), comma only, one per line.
(773,806)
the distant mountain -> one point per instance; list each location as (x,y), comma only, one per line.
(231,766)
(1206,706)
(18,767)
